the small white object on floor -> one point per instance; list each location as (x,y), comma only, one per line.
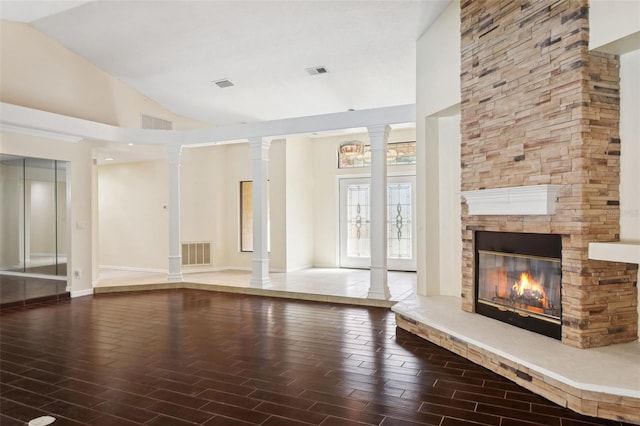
(42,421)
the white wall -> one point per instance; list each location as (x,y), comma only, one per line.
(612,20)
(437,93)
(134,220)
(79,231)
(136,236)
(630,147)
(278,205)
(325,168)
(238,160)
(450,242)
(203,192)
(300,205)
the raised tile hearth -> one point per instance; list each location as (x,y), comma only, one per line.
(600,382)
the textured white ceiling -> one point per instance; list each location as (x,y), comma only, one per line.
(172,51)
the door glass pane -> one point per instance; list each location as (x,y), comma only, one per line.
(399,221)
(358,221)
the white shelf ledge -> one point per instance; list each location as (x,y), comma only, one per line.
(615,252)
(519,200)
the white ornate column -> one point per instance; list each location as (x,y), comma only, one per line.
(260,162)
(379,287)
(175,252)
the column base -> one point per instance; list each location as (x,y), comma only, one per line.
(175,269)
(378,286)
(176,277)
(259,273)
(259,282)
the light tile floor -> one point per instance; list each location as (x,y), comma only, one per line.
(331,284)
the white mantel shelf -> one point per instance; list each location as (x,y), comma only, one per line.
(628,252)
(518,200)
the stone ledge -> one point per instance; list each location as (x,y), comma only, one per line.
(599,382)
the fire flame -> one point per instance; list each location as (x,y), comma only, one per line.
(529,287)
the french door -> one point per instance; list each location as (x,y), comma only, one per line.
(355,223)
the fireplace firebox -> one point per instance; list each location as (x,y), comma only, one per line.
(519,279)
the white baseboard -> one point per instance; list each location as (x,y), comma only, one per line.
(80,293)
(195,270)
(134,269)
(236,268)
(325,266)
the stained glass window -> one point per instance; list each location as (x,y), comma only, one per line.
(358,221)
(399,221)
(354,154)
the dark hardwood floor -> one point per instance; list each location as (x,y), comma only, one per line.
(184,357)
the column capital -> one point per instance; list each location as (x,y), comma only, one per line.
(259,148)
(174,150)
(259,141)
(379,130)
(379,135)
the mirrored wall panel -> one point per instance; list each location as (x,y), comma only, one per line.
(33,224)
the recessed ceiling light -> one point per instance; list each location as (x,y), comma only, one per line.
(223,83)
(317,70)
(130,144)
(108,158)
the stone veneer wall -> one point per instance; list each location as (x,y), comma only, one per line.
(538,108)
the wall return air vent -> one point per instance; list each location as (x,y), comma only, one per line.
(196,253)
(155,123)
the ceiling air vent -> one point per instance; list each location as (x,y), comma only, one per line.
(317,70)
(223,83)
(155,123)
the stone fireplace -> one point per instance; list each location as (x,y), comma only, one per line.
(540,156)
(538,109)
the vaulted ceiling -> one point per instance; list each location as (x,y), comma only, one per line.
(174,51)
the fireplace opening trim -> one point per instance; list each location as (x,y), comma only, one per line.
(507,246)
